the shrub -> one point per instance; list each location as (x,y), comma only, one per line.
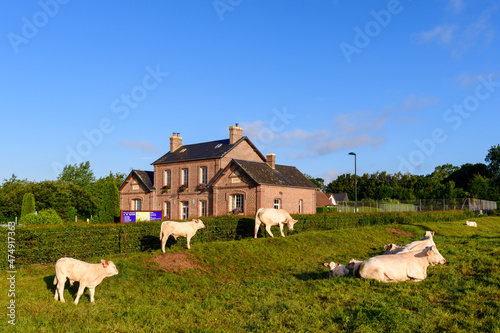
(28,206)
(45,216)
(110,207)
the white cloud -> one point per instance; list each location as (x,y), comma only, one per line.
(143,146)
(442,33)
(417,103)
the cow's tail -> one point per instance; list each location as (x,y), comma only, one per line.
(257,219)
(161,230)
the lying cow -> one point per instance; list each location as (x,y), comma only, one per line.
(401,267)
(394,249)
(421,244)
(353,266)
(89,275)
(336,269)
(269,217)
(176,229)
(471,223)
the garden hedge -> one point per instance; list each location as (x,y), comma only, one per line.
(47,243)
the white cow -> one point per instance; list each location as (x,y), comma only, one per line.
(401,267)
(394,249)
(353,266)
(269,217)
(421,244)
(336,269)
(471,223)
(176,229)
(89,275)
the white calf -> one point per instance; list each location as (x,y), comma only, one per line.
(336,269)
(269,217)
(89,275)
(176,229)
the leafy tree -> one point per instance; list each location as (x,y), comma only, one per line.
(480,188)
(319,182)
(110,205)
(11,196)
(463,177)
(28,206)
(80,175)
(444,171)
(493,159)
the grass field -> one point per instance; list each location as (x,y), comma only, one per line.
(277,285)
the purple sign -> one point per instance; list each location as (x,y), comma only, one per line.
(133,216)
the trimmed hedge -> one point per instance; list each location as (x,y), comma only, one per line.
(46,244)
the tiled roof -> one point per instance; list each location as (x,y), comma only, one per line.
(146,177)
(322,200)
(201,151)
(282,175)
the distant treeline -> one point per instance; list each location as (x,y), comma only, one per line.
(75,192)
(480,181)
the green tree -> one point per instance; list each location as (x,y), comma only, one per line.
(110,205)
(493,159)
(319,182)
(11,196)
(81,175)
(28,206)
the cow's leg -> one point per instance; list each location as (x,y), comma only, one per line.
(92,291)
(257,227)
(281,229)
(56,295)
(163,242)
(268,229)
(188,238)
(60,289)
(80,292)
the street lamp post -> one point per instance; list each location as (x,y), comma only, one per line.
(355,184)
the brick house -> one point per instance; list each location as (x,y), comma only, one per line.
(215,178)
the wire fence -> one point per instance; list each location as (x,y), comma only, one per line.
(422,205)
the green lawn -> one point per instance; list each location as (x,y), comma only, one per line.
(278,285)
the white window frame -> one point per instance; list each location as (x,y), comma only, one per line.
(184,210)
(300,206)
(203,175)
(238,201)
(167,209)
(137,203)
(185,176)
(203,208)
(277,203)
(168,177)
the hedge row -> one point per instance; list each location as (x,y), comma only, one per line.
(46,244)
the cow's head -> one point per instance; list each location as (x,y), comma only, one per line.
(434,256)
(290,223)
(109,267)
(199,224)
(352,263)
(428,234)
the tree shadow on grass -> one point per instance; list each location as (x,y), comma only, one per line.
(245,228)
(150,243)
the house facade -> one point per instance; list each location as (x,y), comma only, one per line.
(216,178)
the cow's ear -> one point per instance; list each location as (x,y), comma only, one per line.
(337,265)
(432,233)
(325,264)
(104,263)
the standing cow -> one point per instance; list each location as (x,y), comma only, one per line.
(176,229)
(89,275)
(271,216)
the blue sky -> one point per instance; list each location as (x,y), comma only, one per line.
(406,85)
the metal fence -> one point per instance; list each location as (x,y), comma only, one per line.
(422,205)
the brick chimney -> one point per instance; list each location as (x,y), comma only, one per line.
(175,142)
(235,133)
(271,160)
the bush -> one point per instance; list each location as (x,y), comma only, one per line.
(28,206)
(45,216)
